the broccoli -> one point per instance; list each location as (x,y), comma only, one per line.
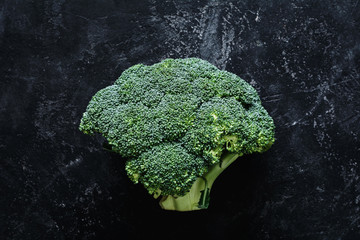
(179,124)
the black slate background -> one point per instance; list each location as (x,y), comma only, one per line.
(303,57)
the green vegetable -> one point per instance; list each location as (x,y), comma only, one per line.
(179,123)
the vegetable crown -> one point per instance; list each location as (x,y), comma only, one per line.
(175,119)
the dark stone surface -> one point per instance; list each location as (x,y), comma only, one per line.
(303,57)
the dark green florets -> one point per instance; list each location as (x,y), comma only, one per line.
(174,119)
(168,168)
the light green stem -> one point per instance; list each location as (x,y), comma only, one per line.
(198,196)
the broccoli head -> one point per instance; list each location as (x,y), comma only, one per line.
(179,123)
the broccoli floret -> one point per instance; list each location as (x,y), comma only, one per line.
(177,172)
(179,123)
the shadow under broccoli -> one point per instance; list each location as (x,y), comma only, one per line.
(179,123)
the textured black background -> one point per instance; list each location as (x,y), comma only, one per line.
(303,57)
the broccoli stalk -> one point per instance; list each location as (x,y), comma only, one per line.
(198,196)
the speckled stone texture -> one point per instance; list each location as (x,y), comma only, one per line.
(303,57)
